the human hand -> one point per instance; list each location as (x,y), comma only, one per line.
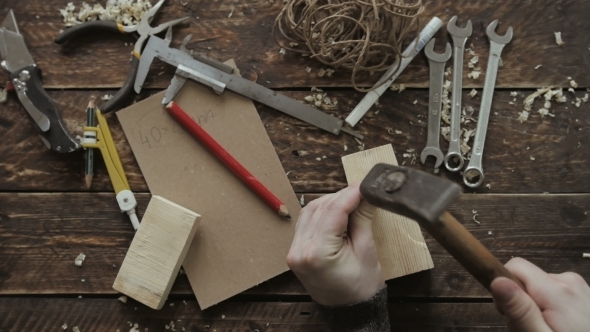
(333,255)
(552,302)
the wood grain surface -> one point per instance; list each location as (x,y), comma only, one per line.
(559,145)
(102,59)
(47,314)
(48,217)
(41,235)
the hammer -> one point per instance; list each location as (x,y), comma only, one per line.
(425,198)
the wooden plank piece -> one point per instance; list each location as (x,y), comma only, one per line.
(399,240)
(50,314)
(102,59)
(557,144)
(157,252)
(41,235)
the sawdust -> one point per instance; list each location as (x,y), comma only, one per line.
(123,299)
(398,88)
(558,39)
(126,12)
(79,260)
(473,93)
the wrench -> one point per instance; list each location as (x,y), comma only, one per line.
(437,63)
(460,36)
(473,175)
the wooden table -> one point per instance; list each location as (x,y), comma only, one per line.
(535,205)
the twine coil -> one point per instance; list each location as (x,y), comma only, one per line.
(362,36)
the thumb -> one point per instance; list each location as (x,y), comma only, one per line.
(361,222)
(522,312)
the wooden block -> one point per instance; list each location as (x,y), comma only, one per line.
(399,240)
(157,252)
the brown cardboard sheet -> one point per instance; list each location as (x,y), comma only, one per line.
(240,242)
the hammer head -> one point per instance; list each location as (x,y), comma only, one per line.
(414,194)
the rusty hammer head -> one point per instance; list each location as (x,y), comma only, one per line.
(414,194)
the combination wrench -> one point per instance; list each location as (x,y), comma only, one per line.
(454,160)
(473,175)
(437,63)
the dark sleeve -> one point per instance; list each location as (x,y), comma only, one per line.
(367,316)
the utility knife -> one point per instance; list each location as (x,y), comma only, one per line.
(26,79)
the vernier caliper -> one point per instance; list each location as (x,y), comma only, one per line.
(212,75)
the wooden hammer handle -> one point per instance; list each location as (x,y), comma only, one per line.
(466,249)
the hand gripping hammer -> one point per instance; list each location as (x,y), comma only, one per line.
(424,198)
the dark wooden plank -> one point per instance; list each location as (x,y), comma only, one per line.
(559,145)
(41,234)
(102,60)
(49,314)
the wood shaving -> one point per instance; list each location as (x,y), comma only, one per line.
(448,71)
(577,102)
(511,103)
(282,51)
(544,111)
(135,328)
(230,13)
(322,72)
(489,186)
(490,233)
(547,104)
(309,99)
(3,96)
(523,116)
(538,66)
(293,44)
(474,219)
(474,74)
(513,94)
(446,132)
(125,12)
(532,158)
(584,255)
(345,147)
(399,132)
(470,110)
(329,72)
(308,70)
(558,39)
(79,260)
(122,299)
(318,159)
(183,301)
(415,102)
(398,88)
(64,327)
(473,93)
(573,84)
(361,145)
(585,98)
(106,97)
(473,61)
(302,203)
(301,153)
(75,329)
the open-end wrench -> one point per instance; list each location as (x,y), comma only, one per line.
(437,63)
(454,159)
(473,175)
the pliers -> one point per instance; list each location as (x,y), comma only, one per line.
(143,29)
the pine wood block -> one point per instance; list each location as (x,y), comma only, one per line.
(400,243)
(157,252)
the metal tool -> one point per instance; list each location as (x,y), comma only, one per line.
(437,63)
(425,198)
(100,138)
(143,29)
(459,36)
(391,75)
(473,175)
(187,67)
(26,79)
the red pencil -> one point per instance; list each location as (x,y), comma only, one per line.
(218,151)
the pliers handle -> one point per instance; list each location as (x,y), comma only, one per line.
(86,27)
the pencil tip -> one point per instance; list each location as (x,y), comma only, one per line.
(88,181)
(283,212)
